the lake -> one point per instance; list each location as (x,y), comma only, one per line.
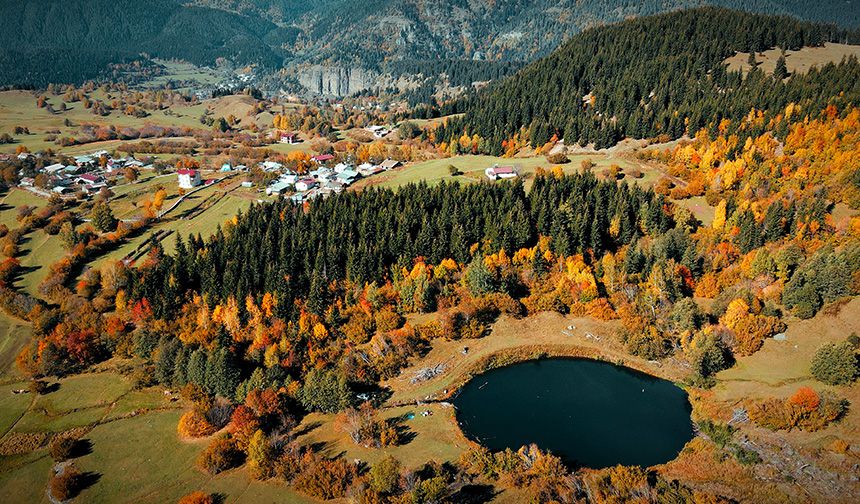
(589,413)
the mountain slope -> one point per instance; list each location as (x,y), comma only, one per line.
(662,75)
(373,31)
(72,40)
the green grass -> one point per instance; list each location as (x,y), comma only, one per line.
(14,335)
(437,437)
(80,400)
(142,460)
(12,406)
(11,200)
(38,253)
(472,169)
(28,480)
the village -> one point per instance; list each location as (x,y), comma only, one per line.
(83,176)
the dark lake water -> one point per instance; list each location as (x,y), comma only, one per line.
(589,413)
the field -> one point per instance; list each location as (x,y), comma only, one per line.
(472,168)
(14,334)
(132,457)
(795,61)
(18,108)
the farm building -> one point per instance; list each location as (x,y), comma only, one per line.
(290,138)
(497,172)
(306,184)
(188,179)
(390,164)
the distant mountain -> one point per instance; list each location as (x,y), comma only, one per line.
(368,33)
(73,40)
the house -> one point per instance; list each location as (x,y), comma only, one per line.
(347,176)
(322,158)
(368,169)
(378,131)
(54,168)
(270,166)
(88,179)
(226,167)
(84,160)
(496,172)
(247,184)
(290,138)
(334,186)
(27,182)
(63,190)
(340,167)
(322,174)
(93,188)
(390,164)
(277,187)
(188,179)
(306,184)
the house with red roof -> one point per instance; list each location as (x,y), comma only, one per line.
(188,179)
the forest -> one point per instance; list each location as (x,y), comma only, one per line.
(661,76)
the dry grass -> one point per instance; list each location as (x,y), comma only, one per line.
(796,61)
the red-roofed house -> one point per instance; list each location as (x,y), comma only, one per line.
(501,172)
(290,138)
(322,158)
(188,179)
(88,179)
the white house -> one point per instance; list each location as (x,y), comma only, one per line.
(277,187)
(390,164)
(290,138)
(497,172)
(188,179)
(306,184)
(378,131)
(341,167)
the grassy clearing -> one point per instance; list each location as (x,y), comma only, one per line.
(796,61)
(436,437)
(11,200)
(80,400)
(472,169)
(142,460)
(699,208)
(14,334)
(39,251)
(756,376)
(12,406)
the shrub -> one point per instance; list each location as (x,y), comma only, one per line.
(385,475)
(835,364)
(197,498)
(194,424)
(805,410)
(62,448)
(39,387)
(66,485)
(558,158)
(221,454)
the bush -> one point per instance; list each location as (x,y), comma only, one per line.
(197,498)
(66,485)
(221,454)
(835,364)
(39,387)
(385,475)
(62,448)
(558,158)
(194,424)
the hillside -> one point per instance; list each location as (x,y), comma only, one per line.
(351,46)
(649,77)
(64,41)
